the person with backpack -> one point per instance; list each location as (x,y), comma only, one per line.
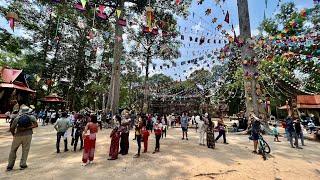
(21,129)
(61,126)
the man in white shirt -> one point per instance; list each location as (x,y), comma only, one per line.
(62,125)
(193,120)
(311,126)
(202,129)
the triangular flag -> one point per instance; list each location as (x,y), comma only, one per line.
(101,8)
(119,38)
(118,12)
(37,77)
(227,18)
(266,2)
(83,2)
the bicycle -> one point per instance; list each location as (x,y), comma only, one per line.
(264,147)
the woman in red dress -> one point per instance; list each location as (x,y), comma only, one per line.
(115,139)
(89,136)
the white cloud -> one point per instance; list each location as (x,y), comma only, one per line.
(197,27)
(255,32)
(236,29)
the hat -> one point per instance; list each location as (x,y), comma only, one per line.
(24,109)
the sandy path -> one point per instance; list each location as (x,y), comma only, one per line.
(177,160)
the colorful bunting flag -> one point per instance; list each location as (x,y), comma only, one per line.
(118,38)
(118,12)
(227,18)
(83,3)
(208,12)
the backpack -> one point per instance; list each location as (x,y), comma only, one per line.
(24,121)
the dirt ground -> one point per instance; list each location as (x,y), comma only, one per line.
(177,160)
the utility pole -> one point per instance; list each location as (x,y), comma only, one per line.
(114,92)
(253,101)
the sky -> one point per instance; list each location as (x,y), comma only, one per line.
(200,25)
(197,24)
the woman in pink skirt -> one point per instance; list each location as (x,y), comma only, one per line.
(89,137)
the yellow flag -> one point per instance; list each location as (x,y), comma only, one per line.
(37,78)
(118,11)
(83,2)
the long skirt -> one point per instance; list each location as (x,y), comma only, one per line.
(210,139)
(89,147)
(124,143)
(114,146)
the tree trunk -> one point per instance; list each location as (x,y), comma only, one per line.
(252,99)
(130,93)
(146,85)
(103,102)
(113,98)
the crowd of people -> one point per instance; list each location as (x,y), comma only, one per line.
(85,125)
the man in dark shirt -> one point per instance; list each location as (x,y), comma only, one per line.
(299,131)
(255,130)
(292,133)
(78,128)
(22,136)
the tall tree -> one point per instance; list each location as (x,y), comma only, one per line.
(157,41)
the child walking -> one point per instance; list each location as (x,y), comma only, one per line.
(275,132)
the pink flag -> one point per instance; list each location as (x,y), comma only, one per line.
(11,23)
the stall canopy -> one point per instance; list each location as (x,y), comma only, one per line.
(14,79)
(53,98)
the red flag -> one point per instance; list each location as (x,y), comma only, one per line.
(177,2)
(227,18)
(101,8)
(234,34)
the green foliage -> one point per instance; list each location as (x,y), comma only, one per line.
(286,11)
(159,79)
(270,26)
